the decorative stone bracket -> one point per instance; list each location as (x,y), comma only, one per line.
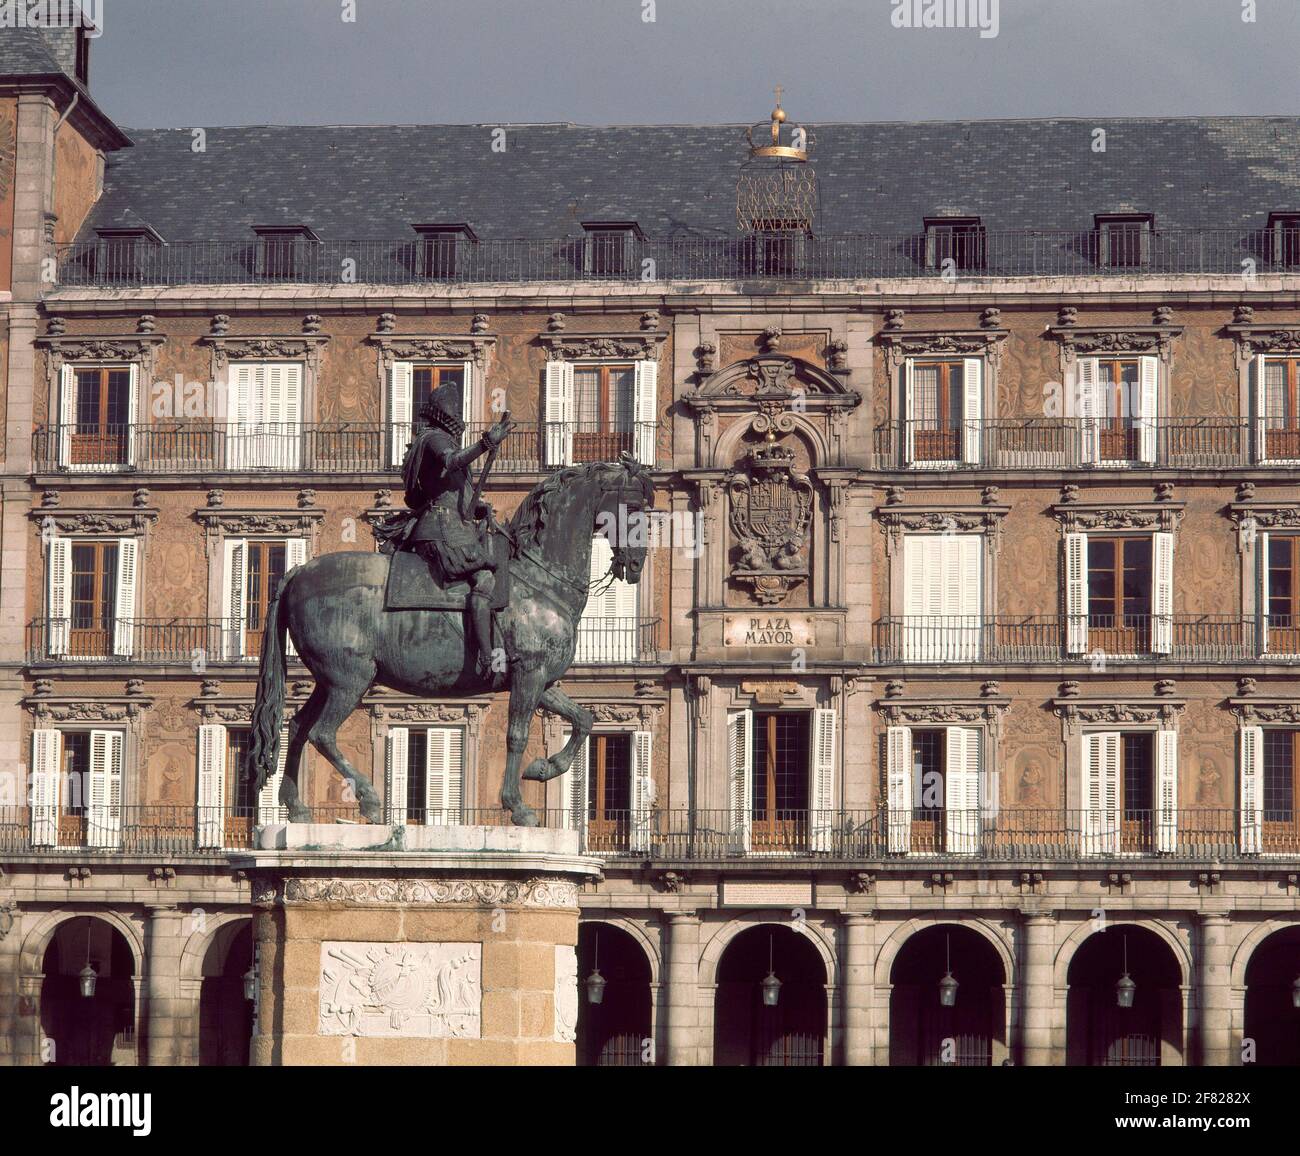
(945,712)
(1105,340)
(1254,711)
(60,349)
(304,347)
(475,347)
(1252,340)
(83,521)
(642,346)
(48,709)
(1252,517)
(899,345)
(401,711)
(900,520)
(221,522)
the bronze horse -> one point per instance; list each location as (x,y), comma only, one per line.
(333,609)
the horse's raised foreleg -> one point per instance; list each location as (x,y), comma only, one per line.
(322,732)
(578,717)
(525,689)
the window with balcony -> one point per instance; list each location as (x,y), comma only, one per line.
(1119,594)
(264,415)
(1278,793)
(934,789)
(782,767)
(1124,239)
(943,410)
(943,597)
(609,248)
(1130,792)
(610,790)
(253,569)
(594,411)
(1277,409)
(228,807)
(425,779)
(1117,400)
(410,385)
(1284,230)
(954,243)
(76,788)
(97,413)
(1280,592)
(441,248)
(91,598)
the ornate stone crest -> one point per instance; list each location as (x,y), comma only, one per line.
(771,505)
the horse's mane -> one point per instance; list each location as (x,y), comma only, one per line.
(530,519)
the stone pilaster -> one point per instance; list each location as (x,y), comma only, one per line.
(167,1014)
(1214,993)
(683,988)
(1037,994)
(858,970)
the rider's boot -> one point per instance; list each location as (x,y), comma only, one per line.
(480,622)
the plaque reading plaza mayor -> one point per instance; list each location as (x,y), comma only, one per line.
(768,629)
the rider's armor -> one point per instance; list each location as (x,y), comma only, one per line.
(454,538)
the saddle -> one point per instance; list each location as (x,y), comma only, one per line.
(413,586)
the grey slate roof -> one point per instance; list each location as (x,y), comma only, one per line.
(25,52)
(362,183)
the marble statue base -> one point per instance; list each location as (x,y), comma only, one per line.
(422,945)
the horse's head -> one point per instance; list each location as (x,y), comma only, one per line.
(624,516)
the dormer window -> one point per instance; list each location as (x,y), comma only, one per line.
(441,248)
(1284,229)
(281,248)
(118,256)
(610,248)
(956,239)
(1124,239)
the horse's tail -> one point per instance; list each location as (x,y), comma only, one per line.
(268,708)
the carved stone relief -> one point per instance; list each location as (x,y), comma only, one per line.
(566,994)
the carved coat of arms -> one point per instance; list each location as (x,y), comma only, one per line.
(771,506)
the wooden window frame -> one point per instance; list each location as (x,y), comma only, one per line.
(1282,441)
(961,239)
(260,599)
(97,640)
(1137,834)
(604,443)
(103,442)
(776,829)
(1119,638)
(1283,639)
(1280,835)
(606,829)
(941,442)
(1122,236)
(1119,434)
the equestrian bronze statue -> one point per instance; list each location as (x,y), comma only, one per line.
(450,591)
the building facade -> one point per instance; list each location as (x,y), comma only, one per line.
(960,691)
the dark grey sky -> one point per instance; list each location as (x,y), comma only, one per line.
(186,63)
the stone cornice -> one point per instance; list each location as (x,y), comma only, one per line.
(561,346)
(227,347)
(534,892)
(70,521)
(433,347)
(1257,709)
(1118,710)
(108,709)
(467,713)
(100,347)
(902,343)
(1267,514)
(236,522)
(935,711)
(1252,339)
(898,520)
(1079,517)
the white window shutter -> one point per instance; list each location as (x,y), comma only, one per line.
(468,414)
(128,550)
(964,581)
(821,825)
(1251,790)
(1162,593)
(132,412)
(1089,409)
(212,785)
(104,797)
(1261,411)
(1076,593)
(242,391)
(961,783)
(915,611)
(642,791)
(269,809)
(295,554)
(1167,791)
(43,787)
(444,771)
(972,409)
(740,763)
(898,789)
(909,411)
(396,752)
(575,790)
(288,439)
(67,412)
(644,410)
(1148,376)
(401,394)
(1261,558)
(558,413)
(1101,793)
(60,595)
(232,597)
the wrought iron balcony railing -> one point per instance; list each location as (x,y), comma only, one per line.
(1067,443)
(201,447)
(799,257)
(216,641)
(1095,639)
(1006,834)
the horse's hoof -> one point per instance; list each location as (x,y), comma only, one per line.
(370,809)
(524,817)
(539,770)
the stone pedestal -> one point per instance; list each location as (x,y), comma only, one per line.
(419,945)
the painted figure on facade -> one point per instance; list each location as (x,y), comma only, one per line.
(453,527)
